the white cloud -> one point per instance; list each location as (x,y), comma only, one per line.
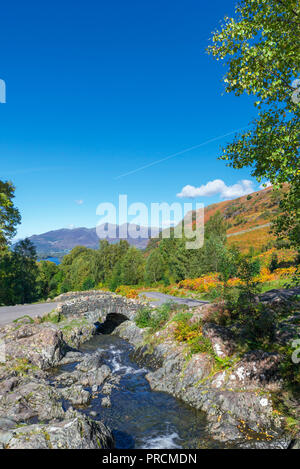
(265,184)
(79,202)
(218,186)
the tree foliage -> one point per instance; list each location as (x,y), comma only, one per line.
(18,274)
(132,267)
(154,269)
(260,47)
(9,214)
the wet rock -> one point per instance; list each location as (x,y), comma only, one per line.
(7,424)
(99,376)
(78,433)
(76,335)
(105,402)
(76,394)
(68,378)
(111,384)
(166,378)
(71,357)
(90,378)
(107,388)
(90,362)
(32,398)
(128,330)
(41,345)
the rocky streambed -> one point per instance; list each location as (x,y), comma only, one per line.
(97,397)
(62,385)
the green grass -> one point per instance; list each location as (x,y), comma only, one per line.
(68,326)
(182,316)
(280,283)
(53,317)
(24,317)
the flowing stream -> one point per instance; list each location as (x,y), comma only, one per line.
(139,417)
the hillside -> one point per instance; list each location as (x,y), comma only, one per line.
(248,217)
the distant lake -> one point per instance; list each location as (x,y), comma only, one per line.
(51,259)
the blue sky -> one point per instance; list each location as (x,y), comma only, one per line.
(98,89)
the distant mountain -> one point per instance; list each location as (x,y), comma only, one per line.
(60,242)
(249,218)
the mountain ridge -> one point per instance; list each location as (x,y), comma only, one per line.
(56,243)
(248,220)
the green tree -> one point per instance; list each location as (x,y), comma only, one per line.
(155,267)
(109,256)
(47,283)
(115,279)
(261,49)
(26,271)
(212,252)
(79,265)
(274,264)
(88,284)
(132,267)
(7,278)
(216,226)
(19,274)
(175,257)
(248,269)
(9,214)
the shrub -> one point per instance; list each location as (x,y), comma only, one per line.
(154,318)
(274,262)
(160,316)
(88,284)
(248,270)
(219,314)
(182,316)
(201,344)
(166,281)
(191,334)
(259,327)
(127,291)
(184,331)
(143,316)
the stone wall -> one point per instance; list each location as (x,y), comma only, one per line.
(96,305)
